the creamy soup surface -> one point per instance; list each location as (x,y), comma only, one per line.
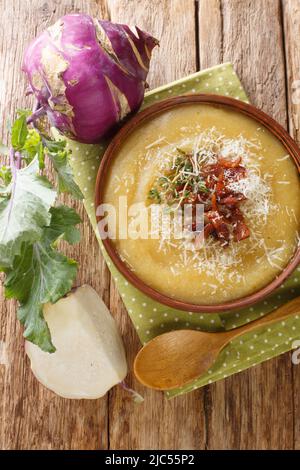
(211,273)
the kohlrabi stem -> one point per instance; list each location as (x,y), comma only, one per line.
(135,395)
(12,162)
(19,160)
(37,114)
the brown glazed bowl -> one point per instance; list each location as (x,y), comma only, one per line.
(276,129)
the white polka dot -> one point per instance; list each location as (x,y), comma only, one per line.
(126,283)
(144,304)
(210,371)
(140,315)
(165,314)
(210,381)
(82,163)
(221,79)
(241,341)
(93,167)
(133,299)
(137,327)
(89,178)
(123,295)
(130,311)
(87,152)
(224,365)
(212,321)
(217,88)
(283,323)
(201,317)
(151,320)
(193,90)
(155,309)
(251,309)
(251,346)
(207,85)
(170,91)
(78,174)
(147,332)
(255,336)
(92,204)
(248,319)
(77,148)
(265,340)
(269,330)
(176,319)
(279,334)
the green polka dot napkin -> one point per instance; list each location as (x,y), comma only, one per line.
(151,318)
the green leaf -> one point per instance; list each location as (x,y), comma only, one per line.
(41,275)
(24,212)
(19,132)
(5,174)
(33,147)
(66,183)
(63,224)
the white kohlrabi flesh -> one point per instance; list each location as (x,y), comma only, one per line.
(87,74)
(89,357)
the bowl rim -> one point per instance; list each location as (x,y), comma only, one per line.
(151,111)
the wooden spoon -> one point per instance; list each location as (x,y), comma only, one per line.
(176,358)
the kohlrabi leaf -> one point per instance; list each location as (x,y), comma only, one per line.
(59,156)
(40,275)
(5,175)
(63,224)
(33,147)
(19,132)
(24,212)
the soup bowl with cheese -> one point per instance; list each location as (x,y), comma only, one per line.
(226,175)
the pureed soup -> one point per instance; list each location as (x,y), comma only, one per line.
(249,190)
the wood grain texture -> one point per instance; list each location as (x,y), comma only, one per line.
(250,410)
(291,12)
(254,409)
(31,416)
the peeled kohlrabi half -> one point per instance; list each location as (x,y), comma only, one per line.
(89,357)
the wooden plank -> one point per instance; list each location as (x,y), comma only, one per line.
(157,423)
(253,409)
(291,11)
(31,416)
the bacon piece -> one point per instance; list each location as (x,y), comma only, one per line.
(240,229)
(221,228)
(234,174)
(214,205)
(208,229)
(229,163)
(232,199)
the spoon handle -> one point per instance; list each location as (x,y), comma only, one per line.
(288,309)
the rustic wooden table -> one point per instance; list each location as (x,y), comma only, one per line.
(257,409)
